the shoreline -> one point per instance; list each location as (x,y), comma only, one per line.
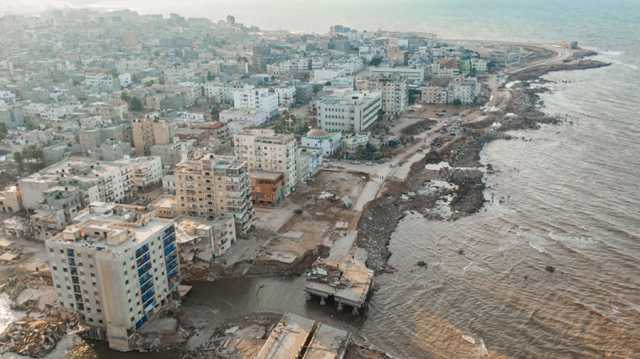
(524,103)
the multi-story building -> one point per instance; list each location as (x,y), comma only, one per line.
(97,181)
(286,95)
(309,161)
(353,112)
(463,91)
(222,92)
(394,90)
(327,142)
(215,185)
(10,200)
(409,73)
(205,239)
(259,99)
(148,132)
(116,267)
(433,94)
(264,150)
(144,172)
(444,69)
(98,79)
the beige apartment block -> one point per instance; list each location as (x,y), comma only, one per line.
(212,186)
(150,131)
(264,150)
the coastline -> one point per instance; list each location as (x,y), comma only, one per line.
(523,111)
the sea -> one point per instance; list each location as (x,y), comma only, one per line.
(550,268)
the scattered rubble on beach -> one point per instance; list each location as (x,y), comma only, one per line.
(37,336)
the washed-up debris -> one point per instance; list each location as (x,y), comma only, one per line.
(347,202)
(36,337)
(421,264)
(341,225)
(326,195)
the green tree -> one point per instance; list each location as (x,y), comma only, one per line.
(17,156)
(135,104)
(3,131)
(375,61)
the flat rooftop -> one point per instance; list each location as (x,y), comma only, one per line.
(287,339)
(327,343)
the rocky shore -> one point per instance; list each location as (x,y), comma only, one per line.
(465,196)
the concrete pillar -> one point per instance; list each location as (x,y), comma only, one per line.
(355,311)
(323,301)
(340,306)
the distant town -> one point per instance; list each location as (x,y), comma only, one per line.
(141,155)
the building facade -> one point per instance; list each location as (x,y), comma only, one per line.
(212,186)
(267,188)
(259,99)
(354,112)
(148,132)
(115,269)
(264,150)
(409,73)
(327,142)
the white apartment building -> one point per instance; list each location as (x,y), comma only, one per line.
(99,181)
(116,267)
(286,96)
(461,90)
(98,79)
(221,91)
(144,172)
(411,74)
(264,150)
(259,99)
(289,67)
(350,65)
(212,186)
(465,90)
(352,112)
(327,142)
(440,70)
(480,65)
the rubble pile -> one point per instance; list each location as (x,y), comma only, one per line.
(35,337)
(329,273)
